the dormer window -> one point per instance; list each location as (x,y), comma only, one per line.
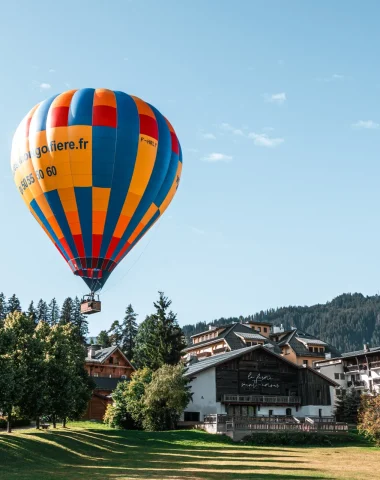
(110,360)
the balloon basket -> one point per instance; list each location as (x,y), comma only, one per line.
(89,305)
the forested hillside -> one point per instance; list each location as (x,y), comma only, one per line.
(344,322)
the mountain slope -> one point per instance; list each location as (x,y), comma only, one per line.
(345,322)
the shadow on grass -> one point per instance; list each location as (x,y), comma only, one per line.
(106,454)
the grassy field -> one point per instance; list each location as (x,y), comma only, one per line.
(91,451)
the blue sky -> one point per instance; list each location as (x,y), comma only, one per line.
(276,106)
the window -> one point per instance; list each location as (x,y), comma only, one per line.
(259,329)
(270,413)
(310,349)
(265,329)
(249,344)
(336,376)
(318,394)
(110,360)
(306,363)
(192,416)
(96,375)
(321,350)
(320,412)
(288,411)
(342,377)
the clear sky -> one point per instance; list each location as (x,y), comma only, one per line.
(276,105)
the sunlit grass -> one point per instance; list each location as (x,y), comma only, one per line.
(87,450)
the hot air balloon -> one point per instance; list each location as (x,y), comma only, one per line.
(96,168)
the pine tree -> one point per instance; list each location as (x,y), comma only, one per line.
(79,320)
(159,338)
(13,304)
(32,313)
(116,333)
(42,311)
(67,311)
(3,308)
(129,331)
(53,312)
(103,339)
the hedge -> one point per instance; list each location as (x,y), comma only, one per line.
(17,422)
(300,439)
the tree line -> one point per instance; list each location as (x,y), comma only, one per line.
(50,313)
(345,322)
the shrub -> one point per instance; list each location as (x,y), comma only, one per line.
(369,418)
(299,439)
(17,422)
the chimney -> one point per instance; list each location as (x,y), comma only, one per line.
(210,327)
(366,346)
(92,349)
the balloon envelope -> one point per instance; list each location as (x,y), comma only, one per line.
(96,168)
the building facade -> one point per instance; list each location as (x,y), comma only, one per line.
(255,381)
(107,367)
(359,370)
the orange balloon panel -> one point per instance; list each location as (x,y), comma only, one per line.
(96,168)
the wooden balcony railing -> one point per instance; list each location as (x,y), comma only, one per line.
(261,399)
(375,365)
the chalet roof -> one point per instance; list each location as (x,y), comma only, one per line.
(212,329)
(215,360)
(296,339)
(361,352)
(100,356)
(232,336)
(259,322)
(250,336)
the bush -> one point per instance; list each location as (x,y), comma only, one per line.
(369,418)
(299,439)
(17,422)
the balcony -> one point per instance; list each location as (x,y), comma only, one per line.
(375,365)
(219,350)
(351,369)
(261,399)
(204,354)
(357,384)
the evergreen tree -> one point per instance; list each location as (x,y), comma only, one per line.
(116,333)
(129,331)
(3,307)
(32,313)
(53,312)
(103,339)
(67,311)
(79,320)
(42,311)
(159,338)
(13,304)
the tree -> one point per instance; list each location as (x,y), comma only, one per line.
(166,396)
(13,304)
(127,410)
(115,333)
(3,308)
(159,338)
(369,417)
(69,386)
(66,311)
(53,312)
(79,320)
(347,406)
(103,339)
(32,313)
(129,332)
(42,311)
(15,345)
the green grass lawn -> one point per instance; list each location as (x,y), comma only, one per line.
(91,451)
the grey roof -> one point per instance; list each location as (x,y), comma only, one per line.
(259,322)
(215,360)
(212,329)
(102,354)
(295,339)
(251,336)
(361,352)
(312,341)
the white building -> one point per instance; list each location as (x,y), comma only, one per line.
(255,381)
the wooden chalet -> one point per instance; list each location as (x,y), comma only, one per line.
(107,367)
